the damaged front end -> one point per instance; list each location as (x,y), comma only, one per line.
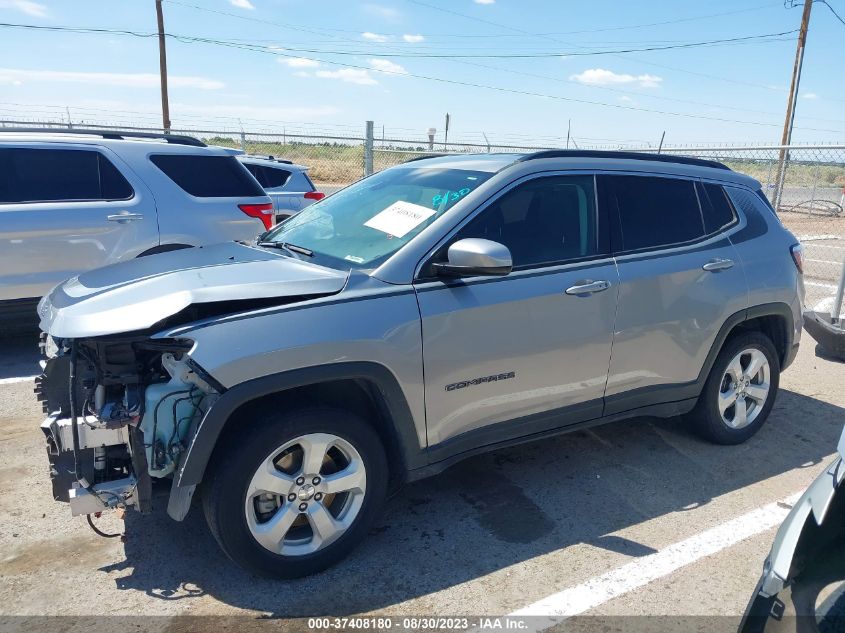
(121,410)
(123,401)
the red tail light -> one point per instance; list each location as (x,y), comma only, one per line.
(798,257)
(314,195)
(263,212)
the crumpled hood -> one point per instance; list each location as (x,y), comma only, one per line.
(136,294)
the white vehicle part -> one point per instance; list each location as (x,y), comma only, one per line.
(91,433)
(109,494)
(813,505)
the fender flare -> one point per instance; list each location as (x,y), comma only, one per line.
(193,465)
(765,309)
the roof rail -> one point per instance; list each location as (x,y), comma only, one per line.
(176,139)
(594,153)
(432,155)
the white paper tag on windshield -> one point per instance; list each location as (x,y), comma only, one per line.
(399,218)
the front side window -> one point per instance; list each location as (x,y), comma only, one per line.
(367,222)
(653,212)
(54,175)
(543,221)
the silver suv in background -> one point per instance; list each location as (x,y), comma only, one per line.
(73,201)
(426,313)
(287,184)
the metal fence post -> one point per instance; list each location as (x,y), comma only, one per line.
(783,165)
(368,149)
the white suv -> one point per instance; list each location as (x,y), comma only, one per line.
(76,200)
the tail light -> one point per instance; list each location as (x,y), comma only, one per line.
(314,195)
(797,252)
(263,212)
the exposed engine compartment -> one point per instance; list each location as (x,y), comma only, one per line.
(121,410)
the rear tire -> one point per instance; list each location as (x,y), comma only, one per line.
(297,491)
(740,391)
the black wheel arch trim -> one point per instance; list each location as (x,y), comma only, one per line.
(192,468)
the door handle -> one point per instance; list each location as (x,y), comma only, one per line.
(588,287)
(124,217)
(715,265)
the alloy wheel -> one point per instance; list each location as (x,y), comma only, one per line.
(305,494)
(744,388)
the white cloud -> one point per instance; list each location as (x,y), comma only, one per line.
(385,65)
(809,95)
(388,13)
(130,80)
(301,73)
(28,7)
(413,39)
(484,1)
(299,62)
(626,99)
(349,75)
(242,4)
(602,77)
(374,37)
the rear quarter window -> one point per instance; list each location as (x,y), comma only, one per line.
(208,176)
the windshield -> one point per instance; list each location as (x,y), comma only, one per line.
(364,224)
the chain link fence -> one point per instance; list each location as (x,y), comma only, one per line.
(810,202)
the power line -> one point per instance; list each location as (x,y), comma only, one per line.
(266,50)
(470,35)
(832,10)
(186,38)
(606,88)
(655,64)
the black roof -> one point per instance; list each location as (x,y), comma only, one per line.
(594,153)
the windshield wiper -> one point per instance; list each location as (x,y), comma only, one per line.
(287,246)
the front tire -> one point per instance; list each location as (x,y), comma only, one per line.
(297,492)
(740,391)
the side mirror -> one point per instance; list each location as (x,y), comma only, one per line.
(475,256)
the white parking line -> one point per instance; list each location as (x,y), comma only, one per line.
(831,246)
(16,379)
(642,571)
(819,285)
(812,238)
(824,261)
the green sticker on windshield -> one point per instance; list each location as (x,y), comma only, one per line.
(449,197)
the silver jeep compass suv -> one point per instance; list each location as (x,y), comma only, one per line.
(437,309)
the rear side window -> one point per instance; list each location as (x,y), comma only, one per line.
(268,177)
(59,175)
(652,212)
(208,176)
(715,206)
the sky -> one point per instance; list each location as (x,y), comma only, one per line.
(513,71)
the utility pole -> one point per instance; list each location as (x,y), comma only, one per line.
(786,139)
(162,63)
